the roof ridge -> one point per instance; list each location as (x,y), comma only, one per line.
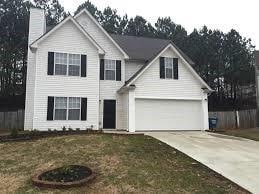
(135,36)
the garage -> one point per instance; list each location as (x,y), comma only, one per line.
(156,114)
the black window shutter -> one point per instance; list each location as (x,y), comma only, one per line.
(50,108)
(50,63)
(83,65)
(101,69)
(118,70)
(162,67)
(175,61)
(83,109)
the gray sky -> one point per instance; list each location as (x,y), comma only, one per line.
(242,15)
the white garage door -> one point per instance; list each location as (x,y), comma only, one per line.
(153,114)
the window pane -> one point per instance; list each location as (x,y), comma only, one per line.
(60,69)
(60,102)
(61,58)
(74,103)
(73,114)
(110,74)
(73,70)
(60,114)
(169,73)
(110,64)
(168,67)
(74,59)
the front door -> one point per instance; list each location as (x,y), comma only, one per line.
(109,114)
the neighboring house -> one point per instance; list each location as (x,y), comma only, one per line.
(80,76)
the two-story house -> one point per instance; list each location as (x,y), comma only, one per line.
(79,76)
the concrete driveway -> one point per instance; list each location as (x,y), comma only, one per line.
(235,158)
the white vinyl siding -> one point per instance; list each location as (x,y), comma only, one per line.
(67,39)
(108,89)
(131,67)
(37,29)
(67,64)
(149,83)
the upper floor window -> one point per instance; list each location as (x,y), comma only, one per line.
(110,69)
(67,64)
(74,65)
(168,68)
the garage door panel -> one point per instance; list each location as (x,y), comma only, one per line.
(153,114)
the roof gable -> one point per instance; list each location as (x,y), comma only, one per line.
(145,67)
(85,11)
(69,18)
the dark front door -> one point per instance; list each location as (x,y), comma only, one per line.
(109,114)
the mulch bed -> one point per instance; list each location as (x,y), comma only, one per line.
(64,177)
(34,135)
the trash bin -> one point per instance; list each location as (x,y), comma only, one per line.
(213,122)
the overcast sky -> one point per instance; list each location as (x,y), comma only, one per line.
(242,15)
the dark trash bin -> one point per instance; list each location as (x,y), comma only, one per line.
(213,122)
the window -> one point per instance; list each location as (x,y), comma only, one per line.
(74,65)
(67,108)
(74,109)
(110,69)
(60,108)
(60,63)
(67,64)
(169,68)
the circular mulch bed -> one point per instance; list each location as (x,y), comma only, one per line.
(64,177)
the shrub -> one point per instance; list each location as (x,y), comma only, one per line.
(70,129)
(77,129)
(34,132)
(64,128)
(49,129)
(14,132)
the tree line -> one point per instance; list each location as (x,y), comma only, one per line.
(224,60)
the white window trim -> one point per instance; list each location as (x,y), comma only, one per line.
(166,58)
(54,72)
(109,69)
(67,112)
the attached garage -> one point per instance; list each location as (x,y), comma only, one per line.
(156,114)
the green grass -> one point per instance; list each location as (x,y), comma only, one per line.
(124,164)
(245,133)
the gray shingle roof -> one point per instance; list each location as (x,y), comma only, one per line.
(143,48)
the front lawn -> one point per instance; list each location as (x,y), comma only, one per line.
(124,164)
(245,133)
